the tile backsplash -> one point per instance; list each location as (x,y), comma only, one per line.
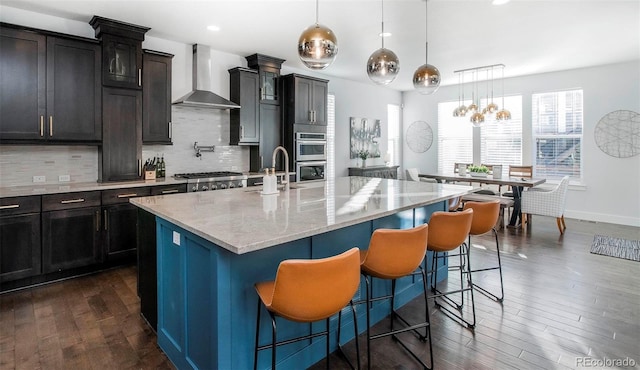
(19,163)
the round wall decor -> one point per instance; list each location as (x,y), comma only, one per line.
(419,136)
(618,134)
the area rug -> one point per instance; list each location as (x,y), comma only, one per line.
(616,247)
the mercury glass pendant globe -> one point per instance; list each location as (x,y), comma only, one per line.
(477,118)
(426,79)
(492,108)
(472,108)
(383,66)
(503,115)
(317,47)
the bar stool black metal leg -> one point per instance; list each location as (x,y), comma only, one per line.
(328,347)
(483,290)
(255,355)
(273,341)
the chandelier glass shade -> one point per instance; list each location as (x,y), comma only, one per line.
(383,65)
(477,115)
(426,79)
(503,114)
(317,45)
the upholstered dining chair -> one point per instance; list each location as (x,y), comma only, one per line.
(412,175)
(546,203)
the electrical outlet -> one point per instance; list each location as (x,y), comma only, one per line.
(64,178)
(39,178)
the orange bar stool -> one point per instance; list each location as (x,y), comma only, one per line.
(447,232)
(306,291)
(393,254)
(485,216)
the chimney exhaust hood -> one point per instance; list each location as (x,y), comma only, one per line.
(201,96)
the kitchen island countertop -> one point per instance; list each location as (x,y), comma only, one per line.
(244,220)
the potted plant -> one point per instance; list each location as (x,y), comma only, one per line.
(478,171)
(363,154)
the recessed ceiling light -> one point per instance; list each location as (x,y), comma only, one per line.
(499,2)
(213,28)
(384,34)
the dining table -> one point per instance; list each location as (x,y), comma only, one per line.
(517,185)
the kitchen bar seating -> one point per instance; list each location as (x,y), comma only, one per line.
(447,232)
(393,254)
(485,216)
(307,291)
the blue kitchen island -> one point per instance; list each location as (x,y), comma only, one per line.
(213,246)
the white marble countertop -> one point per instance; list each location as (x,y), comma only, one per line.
(42,189)
(243,220)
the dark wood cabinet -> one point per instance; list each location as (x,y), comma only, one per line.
(73,91)
(121,153)
(119,223)
(20,252)
(268,68)
(121,52)
(270,138)
(70,231)
(156,97)
(245,122)
(41,75)
(305,100)
(385,172)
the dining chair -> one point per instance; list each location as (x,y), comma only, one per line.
(546,203)
(519,172)
(394,254)
(412,175)
(307,291)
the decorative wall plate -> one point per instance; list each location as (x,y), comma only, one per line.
(419,136)
(618,134)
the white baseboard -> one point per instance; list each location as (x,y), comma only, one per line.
(600,217)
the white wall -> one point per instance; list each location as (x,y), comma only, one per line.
(611,186)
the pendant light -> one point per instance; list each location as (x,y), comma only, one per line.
(426,79)
(491,107)
(461,110)
(503,114)
(317,45)
(473,107)
(383,65)
(477,117)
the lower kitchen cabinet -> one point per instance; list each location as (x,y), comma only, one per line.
(119,223)
(20,255)
(70,238)
(384,172)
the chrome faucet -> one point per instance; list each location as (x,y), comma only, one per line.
(285,180)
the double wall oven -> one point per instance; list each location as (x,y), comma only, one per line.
(310,156)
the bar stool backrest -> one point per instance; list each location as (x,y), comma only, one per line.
(449,229)
(485,216)
(395,253)
(312,290)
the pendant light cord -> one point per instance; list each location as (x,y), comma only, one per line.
(382,33)
(317,7)
(426,32)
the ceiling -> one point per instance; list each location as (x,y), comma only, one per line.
(528,36)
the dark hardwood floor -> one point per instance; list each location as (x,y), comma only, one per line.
(561,304)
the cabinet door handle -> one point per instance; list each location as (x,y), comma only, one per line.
(11,206)
(50,126)
(97,220)
(106,222)
(41,126)
(241,132)
(139,76)
(170,191)
(139,167)
(127,195)
(310,116)
(170,130)
(69,201)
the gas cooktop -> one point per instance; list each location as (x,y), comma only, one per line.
(201,175)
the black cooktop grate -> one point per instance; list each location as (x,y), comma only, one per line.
(197,175)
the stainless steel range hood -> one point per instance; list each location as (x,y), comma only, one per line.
(201,96)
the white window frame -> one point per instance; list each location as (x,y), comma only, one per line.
(394,144)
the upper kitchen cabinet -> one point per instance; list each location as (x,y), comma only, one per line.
(269,73)
(305,100)
(245,122)
(156,97)
(121,52)
(50,88)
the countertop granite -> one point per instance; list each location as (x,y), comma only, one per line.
(42,189)
(243,220)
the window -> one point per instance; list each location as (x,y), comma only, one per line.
(393,134)
(455,138)
(501,142)
(557,133)
(331,136)
(495,142)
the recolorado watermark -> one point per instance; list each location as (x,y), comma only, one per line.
(605,362)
